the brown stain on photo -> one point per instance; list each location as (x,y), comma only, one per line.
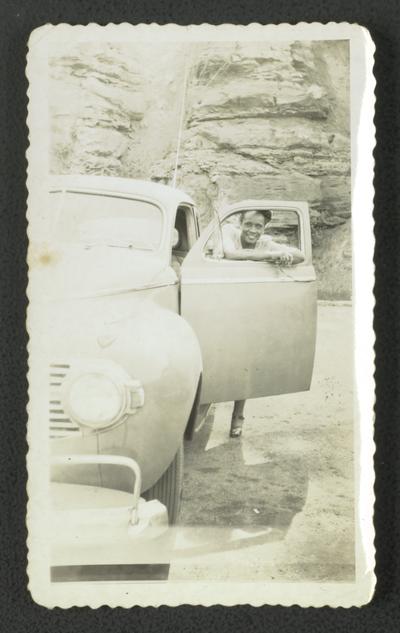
(42,255)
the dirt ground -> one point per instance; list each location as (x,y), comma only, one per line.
(277,503)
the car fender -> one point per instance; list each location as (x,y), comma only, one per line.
(157,347)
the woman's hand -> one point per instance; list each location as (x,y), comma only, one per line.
(280,257)
(285,258)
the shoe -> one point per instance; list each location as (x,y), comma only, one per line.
(236,426)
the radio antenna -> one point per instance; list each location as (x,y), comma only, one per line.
(216,210)
(181,118)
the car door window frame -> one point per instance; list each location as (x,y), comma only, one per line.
(214,227)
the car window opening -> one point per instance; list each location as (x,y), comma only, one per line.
(185,236)
(280,229)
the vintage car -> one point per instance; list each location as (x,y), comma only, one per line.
(147,323)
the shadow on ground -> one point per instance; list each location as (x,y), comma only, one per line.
(221,489)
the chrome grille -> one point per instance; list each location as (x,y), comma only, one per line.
(60,425)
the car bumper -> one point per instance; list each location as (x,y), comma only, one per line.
(91,525)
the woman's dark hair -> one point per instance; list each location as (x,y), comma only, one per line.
(267,213)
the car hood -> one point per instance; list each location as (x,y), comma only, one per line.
(79,272)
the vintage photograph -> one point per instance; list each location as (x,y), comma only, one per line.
(200,262)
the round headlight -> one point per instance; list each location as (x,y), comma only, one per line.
(94,400)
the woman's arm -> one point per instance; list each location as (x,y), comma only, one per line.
(256,255)
(286,256)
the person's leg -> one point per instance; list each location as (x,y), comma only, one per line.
(237,418)
(238,407)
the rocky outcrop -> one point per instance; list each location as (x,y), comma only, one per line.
(96,110)
(260,121)
(113,109)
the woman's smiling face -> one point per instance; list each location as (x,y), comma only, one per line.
(252,227)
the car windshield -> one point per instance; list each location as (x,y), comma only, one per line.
(97,219)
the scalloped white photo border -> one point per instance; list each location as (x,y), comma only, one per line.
(362,84)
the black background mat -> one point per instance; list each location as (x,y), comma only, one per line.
(18,612)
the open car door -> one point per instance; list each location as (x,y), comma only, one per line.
(255,321)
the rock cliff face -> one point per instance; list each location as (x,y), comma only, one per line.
(260,121)
(113,109)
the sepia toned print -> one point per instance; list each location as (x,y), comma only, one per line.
(200,317)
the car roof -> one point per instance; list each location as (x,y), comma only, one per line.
(163,194)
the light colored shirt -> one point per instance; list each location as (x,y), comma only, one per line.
(232,242)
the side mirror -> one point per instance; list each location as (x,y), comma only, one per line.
(175,238)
